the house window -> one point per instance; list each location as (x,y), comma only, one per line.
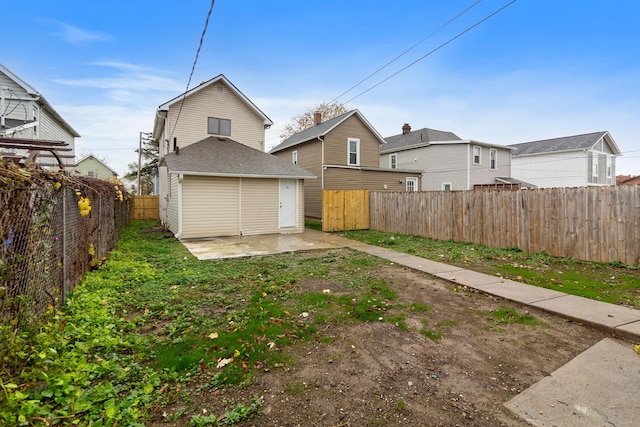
(412,184)
(476,155)
(294,157)
(447,186)
(218,126)
(594,170)
(354,152)
(393,162)
(609,168)
(493,159)
(91,174)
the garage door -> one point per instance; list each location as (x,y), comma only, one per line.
(210,207)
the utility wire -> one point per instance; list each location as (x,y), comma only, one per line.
(193,67)
(405,52)
(434,50)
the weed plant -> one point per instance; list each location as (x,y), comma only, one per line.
(154,321)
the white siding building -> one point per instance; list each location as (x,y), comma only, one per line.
(572,161)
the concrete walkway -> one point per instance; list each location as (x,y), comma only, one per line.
(599,387)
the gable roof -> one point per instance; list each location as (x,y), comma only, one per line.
(418,137)
(215,156)
(91,156)
(567,143)
(219,78)
(39,98)
(323,129)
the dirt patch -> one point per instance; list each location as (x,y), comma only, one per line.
(381,374)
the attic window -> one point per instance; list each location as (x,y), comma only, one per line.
(219,90)
(217,126)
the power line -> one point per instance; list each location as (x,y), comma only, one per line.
(193,67)
(405,52)
(434,50)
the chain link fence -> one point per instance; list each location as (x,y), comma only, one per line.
(54,227)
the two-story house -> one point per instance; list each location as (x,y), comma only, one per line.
(447,161)
(344,152)
(571,161)
(214,177)
(93,167)
(31,127)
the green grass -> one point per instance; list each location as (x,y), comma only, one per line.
(608,282)
(508,315)
(153,317)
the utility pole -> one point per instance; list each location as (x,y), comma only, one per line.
(139,163)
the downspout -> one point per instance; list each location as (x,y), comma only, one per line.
(322,163)
(2,108)
(469,165)
(179,233)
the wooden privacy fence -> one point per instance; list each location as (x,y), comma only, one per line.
(600,224)
(345,210)
(145,208)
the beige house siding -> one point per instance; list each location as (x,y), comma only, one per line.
(336,148)
(173,217)
(163,180)
(309,158)
(210,207)
(246,126)
(219,206)
(259,206)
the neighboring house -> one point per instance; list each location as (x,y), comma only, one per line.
(627,180)
(572,161)
(92,167)
(447,161)
(345,153)
(214,177)
(28,120)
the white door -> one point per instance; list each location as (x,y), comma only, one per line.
(288,202)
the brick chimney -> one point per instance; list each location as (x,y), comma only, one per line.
(406,128)
(317,118)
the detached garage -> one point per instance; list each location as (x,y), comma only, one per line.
(219,187)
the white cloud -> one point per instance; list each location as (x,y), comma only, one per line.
(76,36)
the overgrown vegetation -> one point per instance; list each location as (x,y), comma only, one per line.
(611,282)
(153,327)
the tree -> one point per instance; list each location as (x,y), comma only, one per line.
(305,121)
(149,165)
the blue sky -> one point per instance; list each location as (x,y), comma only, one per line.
(538,69)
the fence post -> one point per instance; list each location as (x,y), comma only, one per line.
(63,288)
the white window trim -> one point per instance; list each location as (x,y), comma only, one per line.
(493,162)
(594,169)
(412,179)
(294,157)
(219,119)
(391,157)
(473,155)
(444,184)
(609,167)
(357,141)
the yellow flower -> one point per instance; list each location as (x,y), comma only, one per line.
(57,185)
(92,250)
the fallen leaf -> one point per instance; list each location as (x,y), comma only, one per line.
(236,353)
(223,362)
(637,348)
